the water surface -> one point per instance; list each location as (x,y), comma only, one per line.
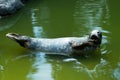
(52,19)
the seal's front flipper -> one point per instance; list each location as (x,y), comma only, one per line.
(78,46)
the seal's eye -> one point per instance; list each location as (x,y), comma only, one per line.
(99,33)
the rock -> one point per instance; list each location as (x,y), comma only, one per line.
(10,6)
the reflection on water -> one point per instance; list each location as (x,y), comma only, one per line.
(79,67)
(102,70)
(91,13)
(7,22)
(116,72)
(85,15)
(41,69)
(1,68)
(1,72)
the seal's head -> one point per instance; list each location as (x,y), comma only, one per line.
(96,36)
(22,40)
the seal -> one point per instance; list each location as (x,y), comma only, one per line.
(64,45)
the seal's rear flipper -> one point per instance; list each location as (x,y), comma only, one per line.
(22,40)
(13,36)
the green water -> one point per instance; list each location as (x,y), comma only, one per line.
(62,18)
